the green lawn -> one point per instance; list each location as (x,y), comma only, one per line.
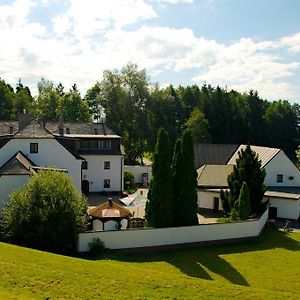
(268,268)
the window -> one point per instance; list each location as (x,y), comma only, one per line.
(67,130)
(34,147)
(106,144)
(107,165)
(84,165)
(11,130)
(279,178)
(106,183)
(95,130)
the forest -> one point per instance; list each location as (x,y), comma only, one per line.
(136,109)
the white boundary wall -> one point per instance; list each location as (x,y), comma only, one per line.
(138,172)
(149,237)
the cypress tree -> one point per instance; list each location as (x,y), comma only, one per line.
(160,208)
(177,180)
(185,179)
(244,208)
(224,196)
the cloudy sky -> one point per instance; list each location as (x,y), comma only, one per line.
(241,44)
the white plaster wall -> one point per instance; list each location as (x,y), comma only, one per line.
(289,209)
(96,173)
(281,164)
(134,238)
(206,199)
(8,184)
(138,172)
(50,154)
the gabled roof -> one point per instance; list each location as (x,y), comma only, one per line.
(213,154)
(33,130)
(109,210)
(18,164)
(265,154)
(213,176)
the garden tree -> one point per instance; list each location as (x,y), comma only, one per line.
(124,96)
(242,205)
(247,169)
(48,101)
(6,100)
(198,126)
(185,182)
(178,193)
(92,98)
(160,207)
(128,180)
(282,126)
(72,108)
(22,101)
(224,196)
(46,214)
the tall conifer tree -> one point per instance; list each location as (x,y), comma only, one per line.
(160,208)
(185,182)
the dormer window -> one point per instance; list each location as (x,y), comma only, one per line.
(11,130)
(67,130)
(95,130)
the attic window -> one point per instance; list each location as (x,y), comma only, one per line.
(279,178)
(11,130)
(34,147)
(67,130)
(95,130)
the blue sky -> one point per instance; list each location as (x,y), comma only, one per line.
(239,44)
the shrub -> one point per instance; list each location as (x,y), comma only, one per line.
(128,181)
(46,214)
(96,247)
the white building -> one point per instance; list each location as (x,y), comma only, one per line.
(282,177)
(90,153)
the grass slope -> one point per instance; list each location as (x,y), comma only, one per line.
(269,268)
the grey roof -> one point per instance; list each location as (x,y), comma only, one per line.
(213,154)
(282,195)
(214,176)
(18,164)
(81,129)
(265,154)
(5,127)
(33,130)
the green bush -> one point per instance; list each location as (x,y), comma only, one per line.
(46,214)
(128,181)
(96,247)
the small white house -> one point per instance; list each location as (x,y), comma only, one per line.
(282,179)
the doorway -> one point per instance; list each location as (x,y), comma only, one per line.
(85,187)
(216,205)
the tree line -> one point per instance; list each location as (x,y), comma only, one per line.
(135,109)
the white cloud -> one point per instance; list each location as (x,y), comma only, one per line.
(174,1)
(89,39)
(291,42)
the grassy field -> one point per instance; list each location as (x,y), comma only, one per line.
(268,268)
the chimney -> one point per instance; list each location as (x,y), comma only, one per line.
(61,126)
(110,202)
(23,120)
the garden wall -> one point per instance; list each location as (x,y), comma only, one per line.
(138,172)
(150,237)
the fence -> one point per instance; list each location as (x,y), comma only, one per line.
(150,237)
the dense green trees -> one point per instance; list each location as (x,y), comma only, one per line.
(136,109)
(45,214)
(160,207)
(247,171)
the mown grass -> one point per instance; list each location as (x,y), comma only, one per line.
(267,268)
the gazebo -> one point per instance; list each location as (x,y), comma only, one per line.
(109,216)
